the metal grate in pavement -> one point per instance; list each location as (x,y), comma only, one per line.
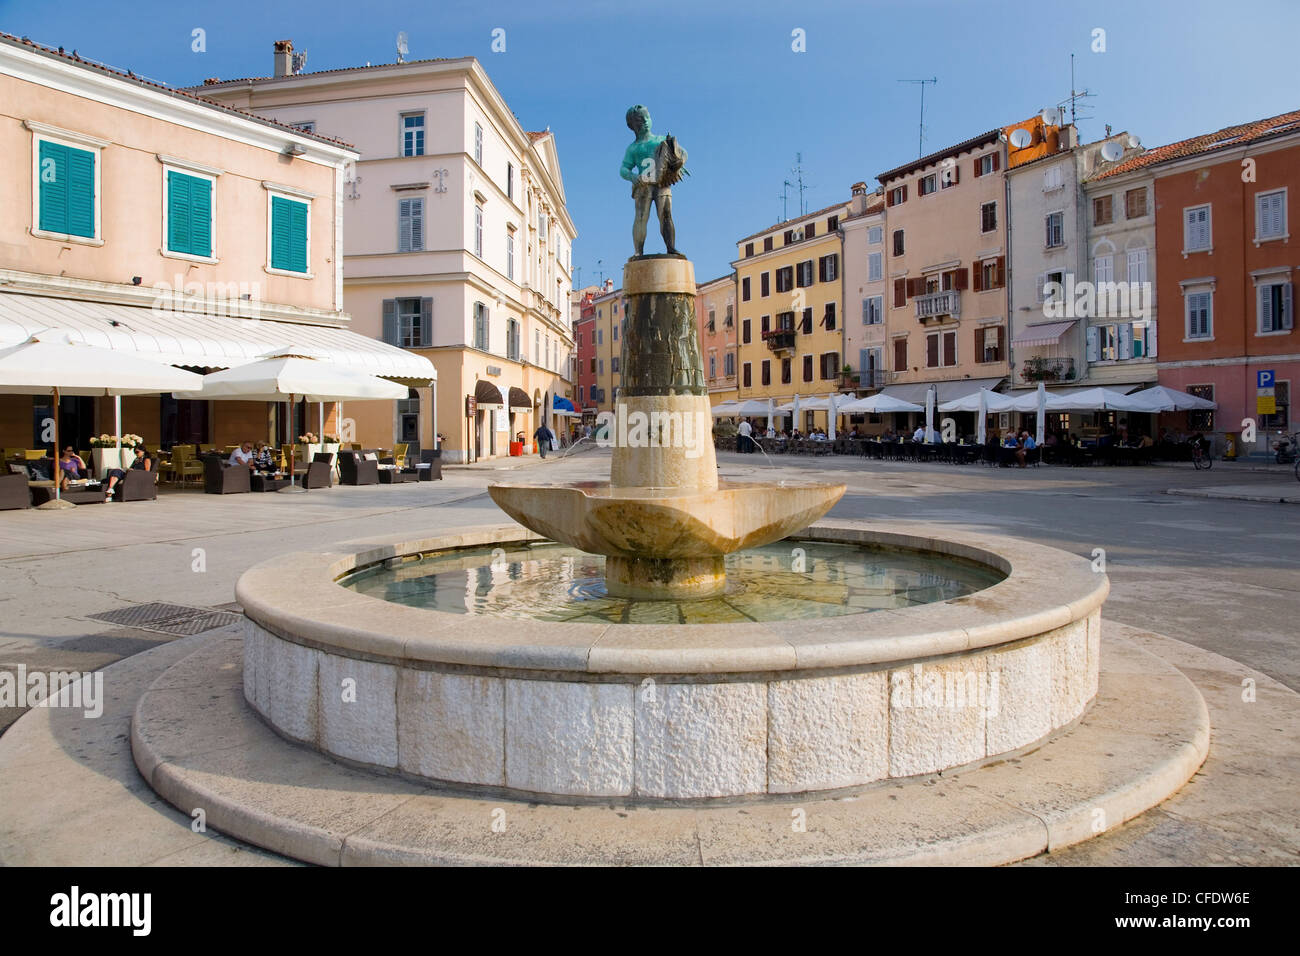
(168,618)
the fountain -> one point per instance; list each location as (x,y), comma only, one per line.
(668,639)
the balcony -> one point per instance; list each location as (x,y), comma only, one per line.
(1059,369)
(780,339)
(934,305)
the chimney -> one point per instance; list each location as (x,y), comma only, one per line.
(283,58)
(609,285)
(858,199)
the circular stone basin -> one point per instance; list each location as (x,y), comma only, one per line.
(777,582)
(583,706)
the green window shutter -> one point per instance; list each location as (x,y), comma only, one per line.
(67,183)
(392,334)
(288,234)
(200,216)
(179,214)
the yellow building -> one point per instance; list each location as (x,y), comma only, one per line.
(715,316)
(610,307)
(790,306)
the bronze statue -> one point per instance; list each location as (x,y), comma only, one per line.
(652,164)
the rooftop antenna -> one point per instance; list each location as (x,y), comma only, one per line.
(601,273)
(785,198)
(402,48)
(920,133)
(797,169)
(1075,96)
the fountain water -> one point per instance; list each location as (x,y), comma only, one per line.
(664,521)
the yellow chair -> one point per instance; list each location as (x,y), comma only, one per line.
(184,465)
(399,454)
(355,446)
(33,454)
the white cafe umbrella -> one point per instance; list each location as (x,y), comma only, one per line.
(794,414)
(771,412)
(52,361)
(1085,400)
(930,395)
(830,417)
(725,409)
(1042,415)
(1160,398)
(292,375)
(879,404)
(981,414)
(991,402)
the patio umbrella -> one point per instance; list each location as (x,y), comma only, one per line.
(981,414)
(1042,414)
(830,417)
(794,414)
(930,395)
(988,400)
(879,404)
(293,375)
(53,362)
(1089,400)
(771,412)
(1159,398)
(725,409)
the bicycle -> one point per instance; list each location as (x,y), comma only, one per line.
(1201,457)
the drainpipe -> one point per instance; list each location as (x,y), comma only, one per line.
(1010,275)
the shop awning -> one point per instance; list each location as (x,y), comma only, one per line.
(1045,333)
(561,404)
(487,395)
(519,400)
(947,391)
(202,340)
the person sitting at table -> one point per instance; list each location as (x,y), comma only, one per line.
(263,460)
(888,435)
(919,434)
(1051,440)
(142,463)
(796,435)
(1144,441)
(243,455)
(1024,445)
(71,466)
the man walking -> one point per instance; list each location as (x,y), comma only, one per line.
(745,443)
(544,438)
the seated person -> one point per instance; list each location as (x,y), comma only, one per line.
(264,461)
(243,455)
(919,434)
(71,466)
(1024,445)
(142,463)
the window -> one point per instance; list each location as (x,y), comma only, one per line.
(875,267)
(69,179)
(828,320)
(989,276)
(188,206)
(1274,306)
(1200,315)
(615,329)
(744,289)
(828,267)
(1051,286)
(830,365)
(988,344)
(875,235)
(729,364)
(1281,419)
(510,180)
(1102,212)
(289,229)
(478,144)
(728,321)
(1135,203)
(593,366)
(1203,421)
(1107,347)
(713,320)
(1137,265)
(1103,269)
(927,184)
(481,338)
(1055,229)
(785,371)
(765,324)
(832,223)
(512,339)
(413,134)
(713,366)
(807,368)
(941,349)
(410,225)
(896,196)
(767,244)
(602,370)
(988,216)
(805,324)
(600,338)
(898,242)
(810,230)
(804,275)
(764,285)
(900,354)
(749,249)
(541,226)
(873,310)
(746,375)
(766,370)
(408,322)
(1270,215)
(1196,229)
(986,164)
(900,293)
(744,331)
(582,394)
(510,253)
(785,279)
(1053,179)
(478,230)
(613,364)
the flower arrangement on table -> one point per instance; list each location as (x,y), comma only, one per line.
(331,439)
(132,441)
(308,439)
(104,441)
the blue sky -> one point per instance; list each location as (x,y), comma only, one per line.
(724,79)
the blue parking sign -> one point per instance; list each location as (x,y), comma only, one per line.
(1264,378)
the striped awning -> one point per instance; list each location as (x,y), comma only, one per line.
(1045,333)
(202,340)
(519,400)
(487,395)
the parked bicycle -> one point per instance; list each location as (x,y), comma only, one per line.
(1201,457)
(1285,449)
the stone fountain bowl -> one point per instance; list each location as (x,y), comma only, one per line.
(646,713)
(666,523)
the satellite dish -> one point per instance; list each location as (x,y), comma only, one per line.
(1020,138)
(402,48)
(1134,142)
(1111,151)
(1050,117)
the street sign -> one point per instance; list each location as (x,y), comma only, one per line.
(1265,405)
(471,406)
(1264,378)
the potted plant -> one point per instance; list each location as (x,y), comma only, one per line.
(330,446)
(104,455)
(310,444)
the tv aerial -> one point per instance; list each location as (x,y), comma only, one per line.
(402,48)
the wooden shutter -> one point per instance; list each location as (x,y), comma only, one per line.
(426,325)
(995,162)
(1126,340)
(807,322)
(931,351)
(977,167)
(900,355)
(810,230)
(866,305)
(1094,344)
(1288,319)
(900,293)
(68,199)
(959,280)
(279,233)
(864,360)
(1002,343)
(979,345)
(821,269)
(392,334)
(178,212)
(807,368)
(1002,272)
(977,276)
(1264,300)
(950,348)
(889,197)
(1040,282)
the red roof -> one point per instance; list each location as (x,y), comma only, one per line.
(1229,137)
(132,78)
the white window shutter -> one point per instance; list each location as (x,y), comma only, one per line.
(1264,300)
(1287,317)
(866,311)
(1094,345)
(1039,282)
(1152,351)
(1126,340)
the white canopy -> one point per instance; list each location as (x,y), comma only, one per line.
(725,409)
(1084,400)
(750,407)
(993,402)
(52,359)
(808,405)
(879,404)
(1158,398)
(277,378)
